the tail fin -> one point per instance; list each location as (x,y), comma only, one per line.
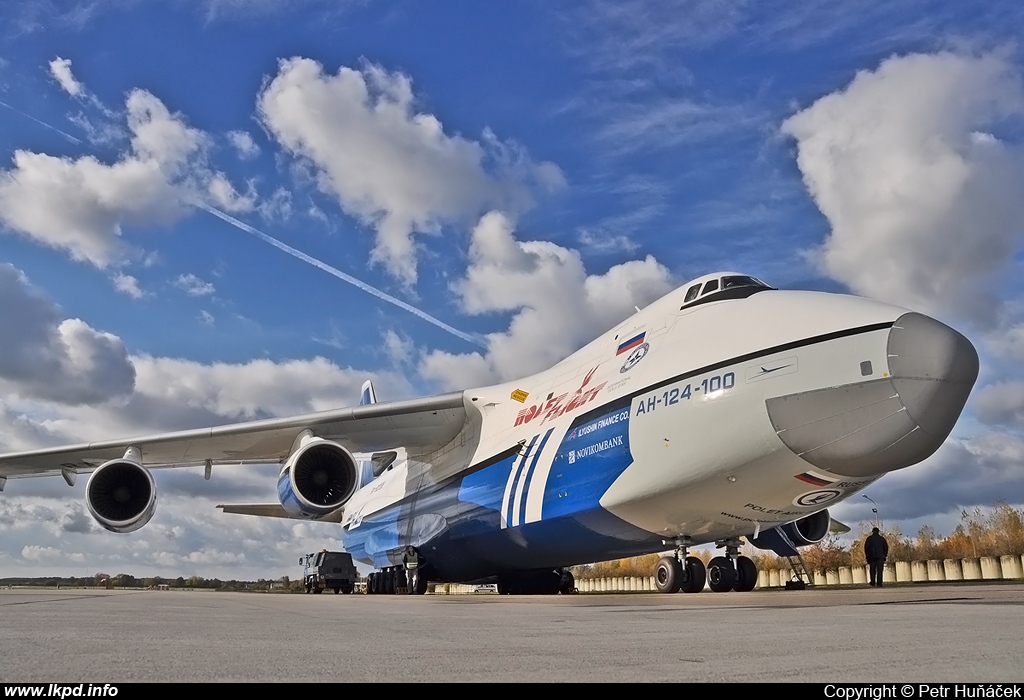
(368,395)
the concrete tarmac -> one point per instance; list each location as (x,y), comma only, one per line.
(916,634)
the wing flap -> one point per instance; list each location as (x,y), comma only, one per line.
(275,510)
(421,426)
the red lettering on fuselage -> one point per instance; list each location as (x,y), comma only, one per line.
(557,406)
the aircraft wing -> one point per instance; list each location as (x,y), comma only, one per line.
(420,425)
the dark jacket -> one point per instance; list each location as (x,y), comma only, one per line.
(876,548)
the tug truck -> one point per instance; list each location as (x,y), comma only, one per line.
(324,569)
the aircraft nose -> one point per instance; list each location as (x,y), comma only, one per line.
(872,427)
(933,369)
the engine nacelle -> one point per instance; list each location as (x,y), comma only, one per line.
(783,539)
(318,478)
(121,494)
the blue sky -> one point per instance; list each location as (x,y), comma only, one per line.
(520,173)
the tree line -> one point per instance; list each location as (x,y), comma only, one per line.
(982,532)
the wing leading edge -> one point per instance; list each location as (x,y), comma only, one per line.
(421,426)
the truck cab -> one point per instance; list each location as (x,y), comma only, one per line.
(333,570)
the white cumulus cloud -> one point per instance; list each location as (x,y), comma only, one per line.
(557,306)
(389,165)
(45,356)
(60,69)
(84,206)
(244,144)
(126,284)
(924,196)
(194,286)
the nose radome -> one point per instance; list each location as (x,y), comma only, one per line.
(872,427)
(933,369)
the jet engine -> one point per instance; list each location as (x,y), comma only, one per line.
(784,539)
(318,478)
(121,493)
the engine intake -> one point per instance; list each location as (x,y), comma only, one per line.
(121,494)
(784,539)
(318,478)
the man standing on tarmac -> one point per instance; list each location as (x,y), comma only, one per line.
(876,549)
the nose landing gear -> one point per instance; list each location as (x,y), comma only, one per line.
(680,572)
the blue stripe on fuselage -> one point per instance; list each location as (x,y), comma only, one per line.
(594,452)
(470,517)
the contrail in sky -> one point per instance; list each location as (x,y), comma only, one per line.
(66,135)
(370,289)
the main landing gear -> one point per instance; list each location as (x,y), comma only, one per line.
(393,579)
(688,574)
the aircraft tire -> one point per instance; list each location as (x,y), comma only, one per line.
(694,575)
(389,582)
(337,590)
(746,575)
(668,575)
(567,584)
(721,575)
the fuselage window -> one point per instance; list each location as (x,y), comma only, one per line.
(710,286)
(692,293)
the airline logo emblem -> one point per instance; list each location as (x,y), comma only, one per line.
(634,357)
(816,498)
(558,405)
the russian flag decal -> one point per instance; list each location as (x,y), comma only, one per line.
(633,342)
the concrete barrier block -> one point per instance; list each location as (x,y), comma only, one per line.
(774,578)
(888,573)
(1011,566)
(936,571)
(763,579)
(861,574)
(972,569)
(634,584)
(649,583)
(990,568)
(832,577)
(845,576)
(903,572)
(952,570)
(918,571)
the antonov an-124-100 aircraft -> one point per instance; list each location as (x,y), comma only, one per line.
(726,409)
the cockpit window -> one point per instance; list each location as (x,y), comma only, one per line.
(692,293)
(734,281)
(710,286)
